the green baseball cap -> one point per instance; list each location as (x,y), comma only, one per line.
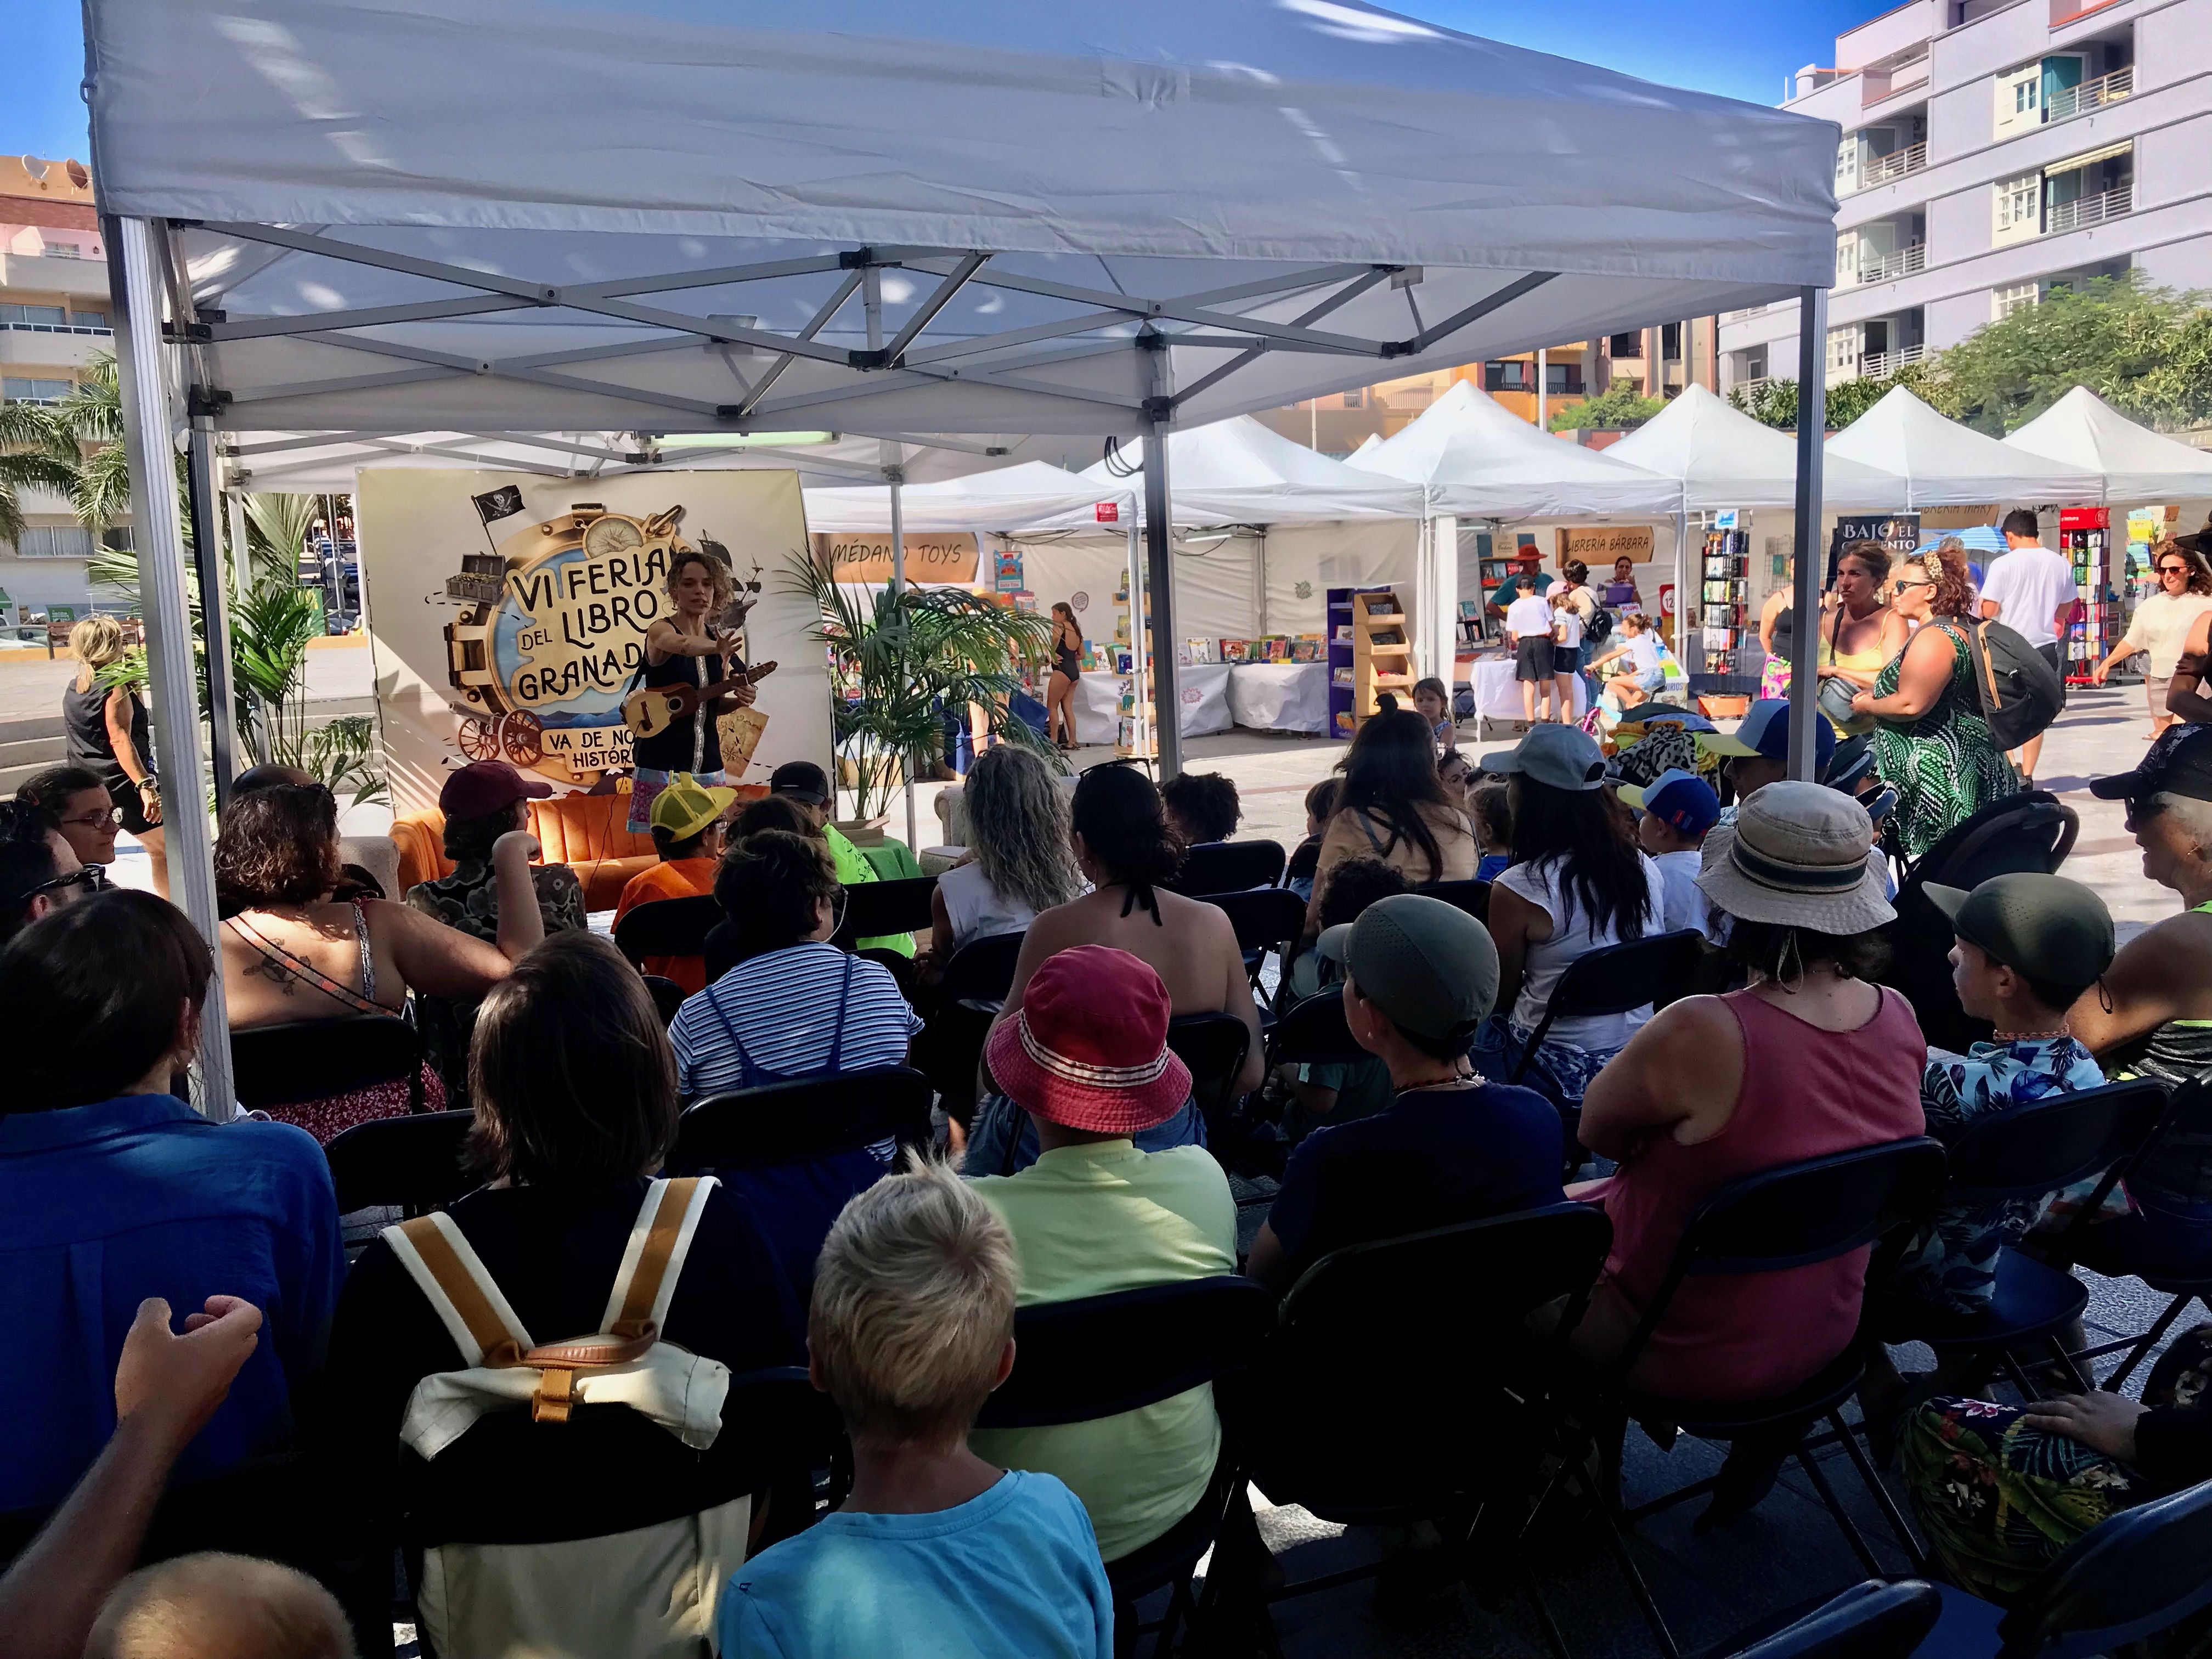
(2054,931)
(1429,965)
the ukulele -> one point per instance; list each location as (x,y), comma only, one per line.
(651,709)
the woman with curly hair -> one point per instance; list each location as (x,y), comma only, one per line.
(291,952)
(1017,862)
(1930,741)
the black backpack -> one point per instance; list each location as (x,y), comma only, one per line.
(1599,629)
(2022,693)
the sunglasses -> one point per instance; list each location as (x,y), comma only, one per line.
(2135,813)
(2173,570)
(89,877)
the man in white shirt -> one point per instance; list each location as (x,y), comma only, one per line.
(1528,625)
(2030,589)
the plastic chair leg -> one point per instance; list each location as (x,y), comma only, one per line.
(1857,1539)
(2148,1340)
(1872,1478)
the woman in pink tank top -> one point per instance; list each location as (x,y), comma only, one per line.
(1807,1060)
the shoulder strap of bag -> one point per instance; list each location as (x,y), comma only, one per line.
(660,1241)
(1977,648)
(446,1269)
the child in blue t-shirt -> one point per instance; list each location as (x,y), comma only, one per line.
(935,1554)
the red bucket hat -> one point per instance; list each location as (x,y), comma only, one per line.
(1089,1048)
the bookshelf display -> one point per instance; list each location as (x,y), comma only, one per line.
(1728,624)
(2085,537)
(1370,651)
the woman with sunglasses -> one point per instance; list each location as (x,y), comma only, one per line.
(2161,625)
(1930,740)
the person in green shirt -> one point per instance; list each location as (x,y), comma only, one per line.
(1529,573)
(1086,1057)
(807,786)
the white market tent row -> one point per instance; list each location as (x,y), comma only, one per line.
(1944,464)
(2138,466)
(978,217)
(1007,498)
(1239,471)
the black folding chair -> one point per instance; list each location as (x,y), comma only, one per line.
(668,928)
(976,981)
(874,909)
(1228,866)
(1076,1362)
(1313,1032)
(1213,1046)
(2128,1578)
(2025,1152)
(1792,1216)
(274,1066)
(1439,1404)
(412,1164)
(793,1123)
(1471,897)
(1268,918)
(1872,1620)
(667,996)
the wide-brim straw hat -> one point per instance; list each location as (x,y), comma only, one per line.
(1088,1047)
(1798,855)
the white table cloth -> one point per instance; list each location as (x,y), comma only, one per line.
(1204,686)
(1498,694)
(1279,696)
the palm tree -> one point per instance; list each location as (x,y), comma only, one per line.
(28,461)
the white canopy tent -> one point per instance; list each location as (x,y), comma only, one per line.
(1009,498)
(1722,458)
(2138,465)
(1239,471)
(510,216)
(1944,464)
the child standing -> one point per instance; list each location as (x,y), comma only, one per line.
(1678,807)
(1566,647)
(1432,702)
(912,1326)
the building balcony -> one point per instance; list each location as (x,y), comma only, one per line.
(1882,169)
(1880,365)
(1877,84)
(1903,263)
(2090,96)
(2087,210)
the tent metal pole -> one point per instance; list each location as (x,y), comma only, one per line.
(1812,431)
(1683,589)
(1543,392)
(896,477)
(1138,652)
(146,429)
(215,604)
(241,545)
(1159,573)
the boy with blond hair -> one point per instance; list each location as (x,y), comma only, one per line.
(936,1551)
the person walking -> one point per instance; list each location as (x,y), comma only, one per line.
(2030,590)
(2161,627)
(1067,673)
(104,729)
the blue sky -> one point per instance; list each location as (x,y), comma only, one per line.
(1742,48)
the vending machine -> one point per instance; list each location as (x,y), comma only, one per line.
(2085,537)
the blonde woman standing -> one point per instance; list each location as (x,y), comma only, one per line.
(104,727)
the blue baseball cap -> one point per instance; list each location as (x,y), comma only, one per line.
(1678,798)
(1764,732)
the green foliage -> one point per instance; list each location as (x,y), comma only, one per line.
(1775,402)
(1620,404)
(898,662)
(342,755)
(276,530)
(2144,351)
(27,462)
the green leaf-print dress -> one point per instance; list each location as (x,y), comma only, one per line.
(1945,765)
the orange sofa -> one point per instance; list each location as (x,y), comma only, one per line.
(588,832)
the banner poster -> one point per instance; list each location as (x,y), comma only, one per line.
(1898,532)
(508,612)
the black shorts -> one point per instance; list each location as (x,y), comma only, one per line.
(125,794)
(1532,659)
(1566,658)
(2051,654)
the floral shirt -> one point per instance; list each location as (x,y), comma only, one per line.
(1951,1264)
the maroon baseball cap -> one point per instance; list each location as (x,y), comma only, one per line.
(482,787)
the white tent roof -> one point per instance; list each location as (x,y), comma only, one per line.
(1946,465)
(2139,466)
(1238,472)
(1723,458)
(1010,498)
(1478,460)
(491,216)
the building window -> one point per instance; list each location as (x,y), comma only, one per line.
(90,319)
(1670,342)
(1510,375)
(50,314)
(34,391)
(2005,300)
(2023,97)
(55,541)
(2017,200)
(62,250)
(1626,346)
(1563,379)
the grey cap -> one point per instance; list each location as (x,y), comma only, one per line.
(1428,965)
(1564,756)
(2055,931)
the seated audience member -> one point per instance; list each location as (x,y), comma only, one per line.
(89,825)
(40,871)
(354,880)
(1577,884)
(771,812)
(686,833)
(112,1190)
(1419,977)
(1432,702)
(1392,805)
(1756,753)
(1678,808)
(166,1387)
(1017,861)
(1316,1093)
(1086,1057)
(1123,847)
(1305,857)
(1457,772)
(794,1007)
(1489,808)
(574,1086)
(1807,1060)
(220,1606)
(806,785)
(1201,807)
(2002,1491)
(291,952)
(2152,1017)
(910,1328)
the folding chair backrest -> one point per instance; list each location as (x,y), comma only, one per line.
(1873,1620)
(793,1123)
(412,1163)
(981,970)
(1814,1210)
(1471,897)
(315,1058)
(1616,978)
(1481,1277)
(667,927)
(874,909)
(1268,918)
(1213,1046)
(2032,831)
(2140,1572)
(1075,1361)
(1313,1030)
(667,996)
(1228,866)
(2044,1145)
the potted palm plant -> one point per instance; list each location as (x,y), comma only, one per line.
(900,662)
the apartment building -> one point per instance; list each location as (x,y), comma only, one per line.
(53,321)
(1659,361)
(1994,150)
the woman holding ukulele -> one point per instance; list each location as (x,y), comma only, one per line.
(686,648)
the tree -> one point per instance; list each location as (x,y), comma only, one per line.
(27,462)
(2144,351)
(1620,404)
(1774,403)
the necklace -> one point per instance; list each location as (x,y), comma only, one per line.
(2031,1036)
(1457,1080)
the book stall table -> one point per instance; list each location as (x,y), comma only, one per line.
(1279,696)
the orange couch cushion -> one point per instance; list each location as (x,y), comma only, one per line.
(588,833)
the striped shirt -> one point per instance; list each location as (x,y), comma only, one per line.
(782,1008)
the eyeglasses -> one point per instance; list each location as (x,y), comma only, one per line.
(2135,813)
(113,817)
(88,876)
